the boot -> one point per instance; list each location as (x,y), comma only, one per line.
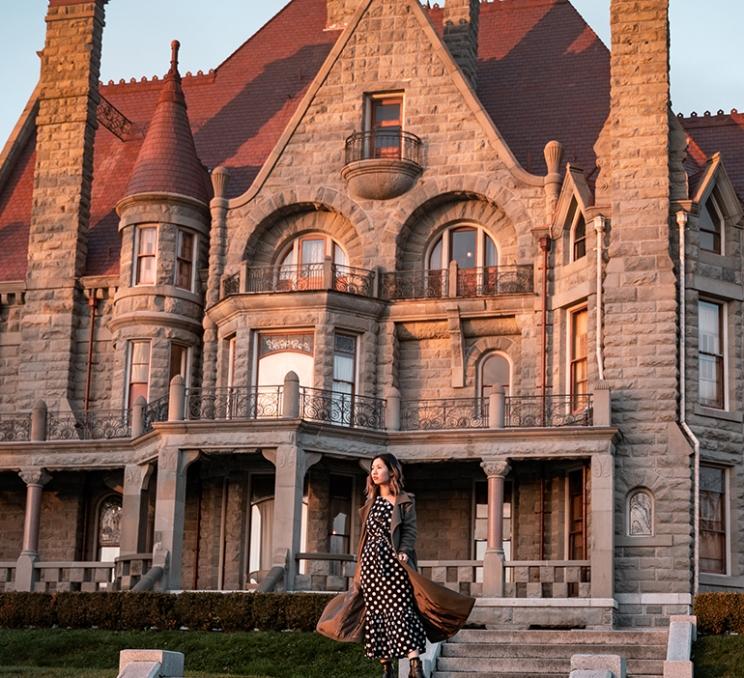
(417,668)
(387,668)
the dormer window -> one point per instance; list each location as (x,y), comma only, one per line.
(576,226)
(712,224)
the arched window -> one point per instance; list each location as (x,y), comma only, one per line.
(467,244)
(311,249)
(495,370)
(576,227)
(712,223)
(640,513)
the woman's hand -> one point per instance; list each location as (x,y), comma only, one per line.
(403,557)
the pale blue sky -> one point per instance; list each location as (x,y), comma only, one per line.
(706,70)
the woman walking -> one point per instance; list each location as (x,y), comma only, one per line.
(392,627)
(390,606)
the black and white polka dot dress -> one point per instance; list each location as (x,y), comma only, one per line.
(392,627)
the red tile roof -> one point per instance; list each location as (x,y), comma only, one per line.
(167,161)
(542,74)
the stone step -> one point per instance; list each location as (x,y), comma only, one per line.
(550,650)
(536,667)
(624,638)
(471,674)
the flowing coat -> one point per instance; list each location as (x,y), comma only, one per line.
(443,612)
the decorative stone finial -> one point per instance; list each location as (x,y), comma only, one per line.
(553,154)
(175,46)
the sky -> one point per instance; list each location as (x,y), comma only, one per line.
(705,36)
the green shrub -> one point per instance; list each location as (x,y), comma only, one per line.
(203,611)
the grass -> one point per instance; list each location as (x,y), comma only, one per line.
(718,657)
(59,653)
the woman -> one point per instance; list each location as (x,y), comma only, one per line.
(392,627)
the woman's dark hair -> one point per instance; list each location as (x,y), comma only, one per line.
(396,475)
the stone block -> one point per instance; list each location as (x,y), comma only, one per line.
(613,663)
(591,673)
(170,664)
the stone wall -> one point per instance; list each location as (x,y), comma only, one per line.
(10,353)
(12,511)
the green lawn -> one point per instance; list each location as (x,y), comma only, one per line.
(57,653)
(719,657)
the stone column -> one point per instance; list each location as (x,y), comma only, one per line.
(35,479)
(170,508)
(493,564)
(291,465)
(134,508)
(602,542)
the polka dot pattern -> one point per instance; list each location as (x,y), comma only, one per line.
(392,627)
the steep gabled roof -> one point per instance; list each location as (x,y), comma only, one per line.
(542,74)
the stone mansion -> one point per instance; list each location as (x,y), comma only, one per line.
(469,235)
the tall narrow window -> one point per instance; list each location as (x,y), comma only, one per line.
(344,370)
(713,519)
(576,227)
(145,247)
(232,352)
(139,371)
(579,364)
(386,125)
(339,532)
(185,260)
(109,529)
(179,363)
(576,516)
(710,354)
(712,224)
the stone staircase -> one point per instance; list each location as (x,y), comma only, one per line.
(546,654)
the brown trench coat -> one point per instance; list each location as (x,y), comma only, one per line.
(443,612)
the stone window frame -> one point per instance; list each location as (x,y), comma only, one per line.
(723,321)
(628,522)
(128,369)
(137,256)
(194,258)
(728,515)
(571,312)
(441,236)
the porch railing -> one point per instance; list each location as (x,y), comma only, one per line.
(548,411)
(156,411)
(464,576)
(7,576)
(353,280)
(324,571)
(342,409)
(547,579)
(15,428)
(235,402)
(494,280)
(446,413)
(74,576)
(129,570)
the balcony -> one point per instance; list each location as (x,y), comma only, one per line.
(325,276)
(381,165)
(457,282)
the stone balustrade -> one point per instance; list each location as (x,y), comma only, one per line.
(73,576)
(324,571)
(547,579)
(464,576)
(129,570)
(7,575)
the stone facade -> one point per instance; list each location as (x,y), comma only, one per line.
(302,292)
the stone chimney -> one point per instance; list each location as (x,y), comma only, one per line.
(339,13)
(461,35)
(57,243)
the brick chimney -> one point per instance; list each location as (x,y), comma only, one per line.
(339,13)
(461,35)
(57,245)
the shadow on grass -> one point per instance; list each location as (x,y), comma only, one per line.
(719,657)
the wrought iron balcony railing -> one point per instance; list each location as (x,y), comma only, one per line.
(155,411)
(101,425)
(342,409)
(415,284)
(548,411)
(15,428)
(446,413)
(494,280)
(383,145)
(235,402)
(353,280)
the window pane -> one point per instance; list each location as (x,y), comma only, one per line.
(178,361)
(339,256)
(343,368)
(713,519)
(435,259)
(186,245)
(710,327)
(147,241)
(313,251)
(386,112)
(462,248)
(490,257)
(146,270)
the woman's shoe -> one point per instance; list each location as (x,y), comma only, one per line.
(387,668)
(417,668)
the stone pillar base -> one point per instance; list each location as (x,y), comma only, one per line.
(493,573)
(25,576)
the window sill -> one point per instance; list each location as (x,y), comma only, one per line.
(651,541)
(710,579)
(718,414)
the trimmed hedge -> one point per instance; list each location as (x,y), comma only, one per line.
(137,611)
(719,613)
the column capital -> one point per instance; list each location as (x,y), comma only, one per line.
(136,477)
(498,468)
(32,475)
